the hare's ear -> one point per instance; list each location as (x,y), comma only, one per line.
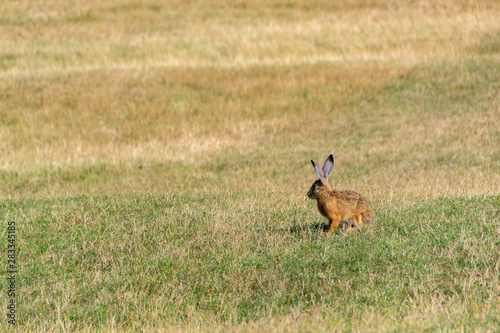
(318,170)
(328,166)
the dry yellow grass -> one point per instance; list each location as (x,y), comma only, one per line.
(142,82)
(50,38)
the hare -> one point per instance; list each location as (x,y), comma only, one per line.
(339,206)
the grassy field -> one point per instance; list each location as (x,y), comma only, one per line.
(155,157)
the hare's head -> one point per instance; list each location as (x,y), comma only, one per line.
(321,185)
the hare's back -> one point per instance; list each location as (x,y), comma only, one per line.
(354,200)
(350,196)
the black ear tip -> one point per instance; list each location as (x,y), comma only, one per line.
(312,162)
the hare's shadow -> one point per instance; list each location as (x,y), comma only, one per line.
(310,228)
(318,227)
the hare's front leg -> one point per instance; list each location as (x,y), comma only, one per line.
(334,224)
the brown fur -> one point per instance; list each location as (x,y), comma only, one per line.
(340,206)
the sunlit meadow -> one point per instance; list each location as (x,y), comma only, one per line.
(155,158)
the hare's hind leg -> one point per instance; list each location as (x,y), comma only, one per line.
(354,223)
(368,216)
(361,221)
(357,223)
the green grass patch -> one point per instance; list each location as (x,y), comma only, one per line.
(138,262)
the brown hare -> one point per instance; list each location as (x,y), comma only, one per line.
(339,206)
